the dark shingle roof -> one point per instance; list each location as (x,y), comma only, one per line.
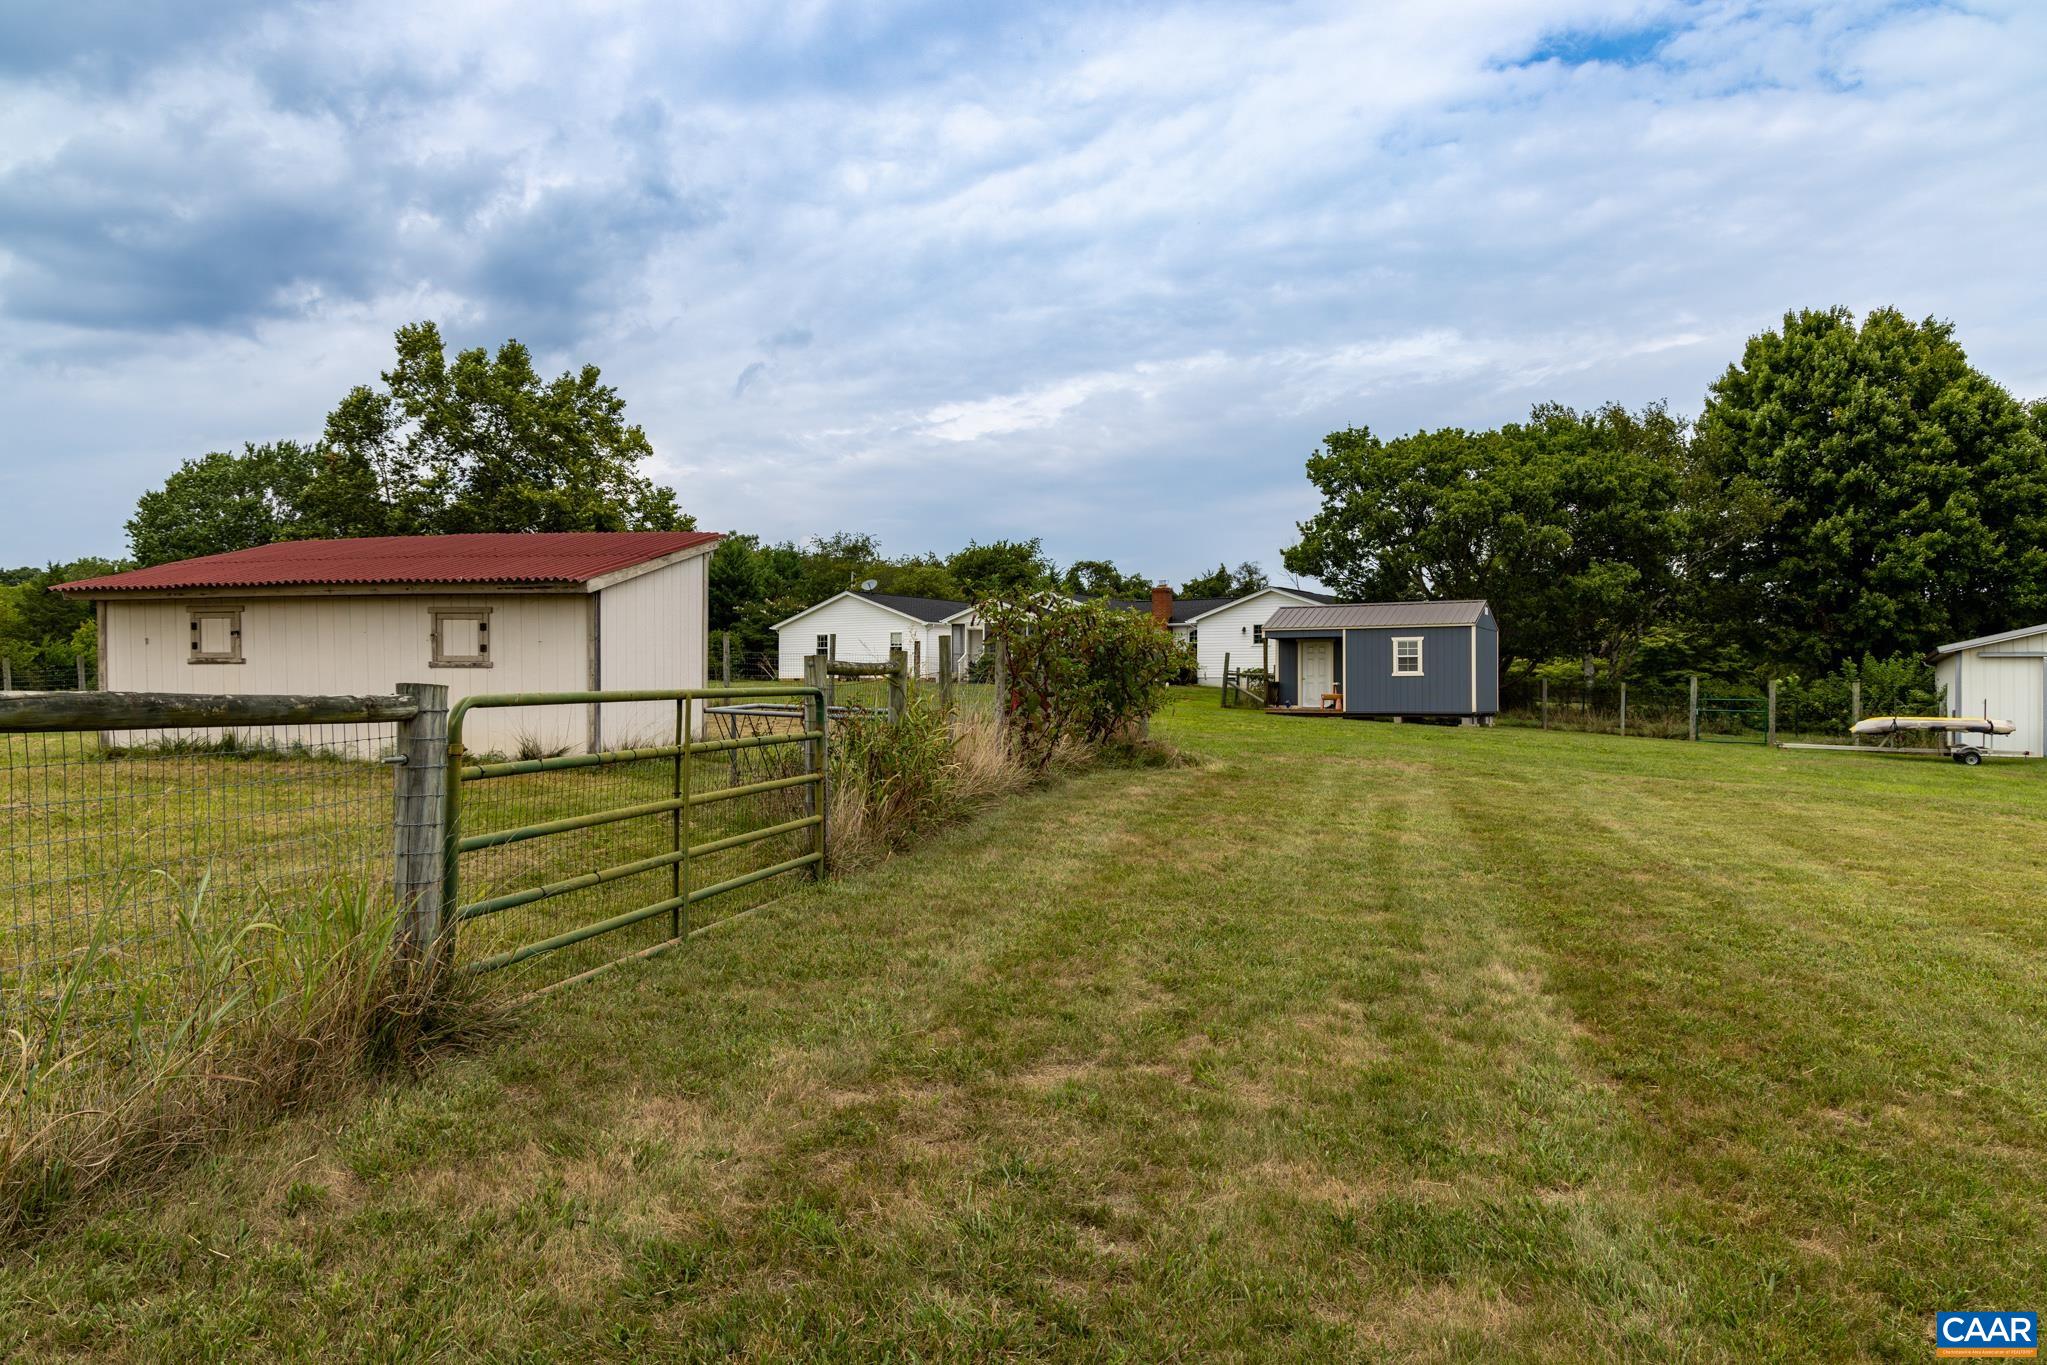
(923,608)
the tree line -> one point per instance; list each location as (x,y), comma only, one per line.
(1849,491)
(754,584)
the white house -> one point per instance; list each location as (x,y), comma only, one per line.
(862,627)
(1232,627)
(554,612)
(2004,676)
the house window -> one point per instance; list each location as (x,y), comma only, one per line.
(1258,635)
(461,639)
(1193,637)
(1407,657)
(216,636)
(895,639)
(824,646)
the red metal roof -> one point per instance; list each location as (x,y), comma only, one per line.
(537,557)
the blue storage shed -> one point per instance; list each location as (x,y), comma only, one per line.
(1425,660)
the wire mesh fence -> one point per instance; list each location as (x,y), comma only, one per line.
(1648,712)
(116,844)
(47,675)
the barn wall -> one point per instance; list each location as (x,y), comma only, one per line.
(364,645)
(653,632)
(2009,680)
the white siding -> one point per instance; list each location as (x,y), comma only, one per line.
(1227,630)
(653,638)
(2010,680)
(367,645)
(863,629)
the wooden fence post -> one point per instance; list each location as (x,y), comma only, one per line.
(917,658)
(1854,710)
(81,674)
(1770,724)
(898,683)
(826,681)
(1624,709)
(419,806)
(999,671)
(1226,680)
(945,674)
(6,674)
(1545,703)
(728,658)
(1694,736)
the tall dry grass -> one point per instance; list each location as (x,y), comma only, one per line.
(259,1017)
(893,782)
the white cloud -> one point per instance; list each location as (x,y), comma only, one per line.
(1105,276)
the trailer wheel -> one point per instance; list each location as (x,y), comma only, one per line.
(1969,758)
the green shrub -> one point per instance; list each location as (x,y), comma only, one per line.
(1083,671)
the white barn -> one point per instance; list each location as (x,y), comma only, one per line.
(861,628)
(544,612)
(2004,676)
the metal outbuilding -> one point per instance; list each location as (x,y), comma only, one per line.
(1426,660)
(2002,675)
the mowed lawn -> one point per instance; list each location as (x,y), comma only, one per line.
(1351,1040)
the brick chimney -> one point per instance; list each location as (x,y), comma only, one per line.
(1162,606)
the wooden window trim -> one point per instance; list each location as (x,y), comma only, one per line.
(1414,672)
(480,659)
(233,653)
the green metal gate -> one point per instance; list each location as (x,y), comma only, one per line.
(546,839)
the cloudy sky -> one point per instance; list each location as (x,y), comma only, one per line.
(1101,273)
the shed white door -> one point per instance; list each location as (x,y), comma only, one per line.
(1317,671)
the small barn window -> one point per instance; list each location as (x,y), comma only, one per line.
(461,639)
(1258,635)
(216,636)
(824,646)
(1407,656)
(895,639)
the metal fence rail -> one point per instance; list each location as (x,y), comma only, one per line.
(557,851)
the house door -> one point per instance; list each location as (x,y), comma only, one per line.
(1316,672)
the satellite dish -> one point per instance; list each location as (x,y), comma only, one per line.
(869,584)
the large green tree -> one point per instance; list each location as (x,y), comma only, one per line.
(223,501)
(1577,527)
(1002,568)
(479,442)
(1906,492)
(1242,581)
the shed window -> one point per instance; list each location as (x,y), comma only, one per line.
(1407,656)
(824,646)
(895,639)
(461,639)
(1258,635)
(216,636)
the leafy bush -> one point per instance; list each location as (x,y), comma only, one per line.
(1083,671)
(1902,685)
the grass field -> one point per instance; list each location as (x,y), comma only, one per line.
(1348,1041)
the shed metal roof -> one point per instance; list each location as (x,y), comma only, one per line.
(1365,615)
(1997,639)
(535,557)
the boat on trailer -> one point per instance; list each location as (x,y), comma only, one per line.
(1950,733)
